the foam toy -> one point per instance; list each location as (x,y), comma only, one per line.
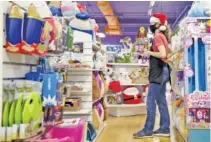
(196,10)
(131,95)
(82,23)
(14,21)
(32,30)
(55,7)
(208,26)
(19,110)
(5,117)
(12,114)
(69,8)
(32,110)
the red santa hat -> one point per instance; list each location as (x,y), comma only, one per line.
(159,18)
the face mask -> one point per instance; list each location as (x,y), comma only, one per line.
(152,28)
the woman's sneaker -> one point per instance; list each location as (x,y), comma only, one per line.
(161,133)
(141,134)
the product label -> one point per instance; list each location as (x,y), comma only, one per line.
(197,107)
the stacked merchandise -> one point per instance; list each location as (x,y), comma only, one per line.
(190,79)
(22,110)
(127,75)
(99,110)
(45,38)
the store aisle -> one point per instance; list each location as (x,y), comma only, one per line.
(121,130)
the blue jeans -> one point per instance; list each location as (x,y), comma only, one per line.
(157,94)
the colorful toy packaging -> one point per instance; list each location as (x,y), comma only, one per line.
(32,30)
(14,20)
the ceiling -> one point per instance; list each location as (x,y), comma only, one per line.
(134,14)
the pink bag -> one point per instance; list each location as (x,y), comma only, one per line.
(75,132)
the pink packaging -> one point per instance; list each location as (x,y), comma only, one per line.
(66,139)
(74,131)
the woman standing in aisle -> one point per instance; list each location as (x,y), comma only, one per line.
(158,77)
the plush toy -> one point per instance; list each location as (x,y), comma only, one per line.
(119,58)
(110,75)
(141,37)
(124,78)
(82,23)
(135,77)
(98,60)
(127,44)
(197,10)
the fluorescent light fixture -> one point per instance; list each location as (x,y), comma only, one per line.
(101,35)
(152,3)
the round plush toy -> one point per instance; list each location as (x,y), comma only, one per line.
(82,23)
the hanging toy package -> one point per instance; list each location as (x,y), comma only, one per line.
(14,20)
(32,29)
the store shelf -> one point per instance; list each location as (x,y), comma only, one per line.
(127,64)
(125,105)
(80,112)
(82,93)
(185,139)
(100,131)
(133,84)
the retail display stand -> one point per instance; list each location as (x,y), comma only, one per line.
(191,83)
(125,68)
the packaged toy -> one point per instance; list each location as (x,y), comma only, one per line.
(14,20)
(32,29)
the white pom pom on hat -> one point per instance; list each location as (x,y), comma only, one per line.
(159,18)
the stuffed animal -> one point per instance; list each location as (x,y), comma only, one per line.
(98,60)
(127,44)
(135,77)
(110,75)
(141,37)
(124,78)
(82,23)
(119,58)
(197,10)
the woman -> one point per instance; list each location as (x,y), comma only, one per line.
(158,77)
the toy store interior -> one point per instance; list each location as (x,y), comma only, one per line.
(78,72)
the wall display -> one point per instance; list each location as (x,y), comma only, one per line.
(198,110)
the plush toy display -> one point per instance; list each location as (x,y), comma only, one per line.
(139,77)
(124,78)
(131,95)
